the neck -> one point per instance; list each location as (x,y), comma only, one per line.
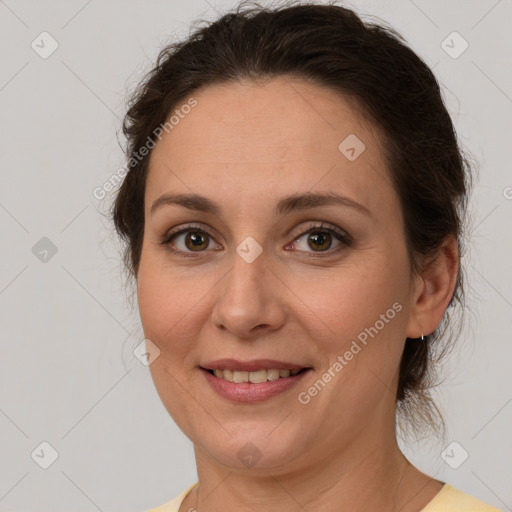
(368,473)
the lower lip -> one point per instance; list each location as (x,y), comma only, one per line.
(250,392)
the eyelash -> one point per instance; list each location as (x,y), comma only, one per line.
(341,236)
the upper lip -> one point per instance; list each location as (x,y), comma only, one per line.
(251,366)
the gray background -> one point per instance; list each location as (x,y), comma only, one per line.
(67,373)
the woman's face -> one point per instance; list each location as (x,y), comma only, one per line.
(261,277)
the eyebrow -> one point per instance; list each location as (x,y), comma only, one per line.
(285,205)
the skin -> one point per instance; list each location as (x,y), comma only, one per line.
(245,146)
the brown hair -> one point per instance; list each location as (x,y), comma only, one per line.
(365,61)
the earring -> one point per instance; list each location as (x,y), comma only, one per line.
(421,336)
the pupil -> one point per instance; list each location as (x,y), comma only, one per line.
(196,239)
(320,238)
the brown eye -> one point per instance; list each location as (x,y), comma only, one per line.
(320,240)
(191,241)
(196,240)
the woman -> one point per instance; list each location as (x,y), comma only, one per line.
(293,215)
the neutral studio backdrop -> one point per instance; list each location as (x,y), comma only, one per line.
(73,397)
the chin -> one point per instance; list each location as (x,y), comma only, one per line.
(252,450)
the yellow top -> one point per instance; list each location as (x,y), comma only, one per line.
(448,499)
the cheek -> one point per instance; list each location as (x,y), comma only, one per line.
(346,302)
(334,305)
(164,301)
(359,324)
(168,308)
(174,307)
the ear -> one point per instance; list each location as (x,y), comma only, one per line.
(434,289)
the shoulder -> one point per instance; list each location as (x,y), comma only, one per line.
(174,504)
(451,499)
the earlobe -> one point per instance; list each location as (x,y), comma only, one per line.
(438,280)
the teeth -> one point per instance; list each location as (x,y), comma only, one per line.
(254,377)
(272,374)
(240,376)
(259,376)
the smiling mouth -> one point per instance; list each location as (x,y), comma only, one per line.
(254,377)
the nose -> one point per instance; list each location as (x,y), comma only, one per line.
(251,300)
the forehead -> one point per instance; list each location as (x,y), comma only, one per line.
(266,138)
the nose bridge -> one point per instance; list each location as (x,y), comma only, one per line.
(247,299)
(246,280)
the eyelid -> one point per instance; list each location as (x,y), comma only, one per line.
(182,228)
(323,226)
(341,235)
